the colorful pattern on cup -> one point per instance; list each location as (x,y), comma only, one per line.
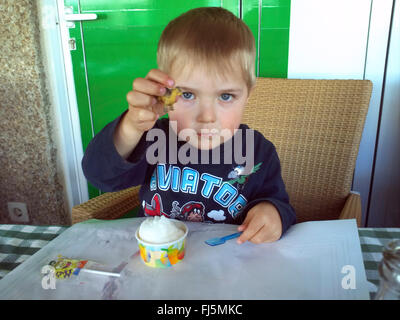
(158,257)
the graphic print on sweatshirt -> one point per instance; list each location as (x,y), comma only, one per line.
(194,196)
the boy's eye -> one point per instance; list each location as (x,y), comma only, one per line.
(187,95)
(226,97)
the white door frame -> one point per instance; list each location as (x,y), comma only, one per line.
(59,72)
(375,63)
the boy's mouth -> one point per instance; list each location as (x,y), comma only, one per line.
(207,133)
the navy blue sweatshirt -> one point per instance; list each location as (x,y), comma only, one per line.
(202,191)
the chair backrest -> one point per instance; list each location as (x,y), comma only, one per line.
(316,126)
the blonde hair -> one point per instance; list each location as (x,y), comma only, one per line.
(211,37)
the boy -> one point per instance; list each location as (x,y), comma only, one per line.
(209,54)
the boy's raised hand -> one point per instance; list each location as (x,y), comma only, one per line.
(262,224)
(144,108)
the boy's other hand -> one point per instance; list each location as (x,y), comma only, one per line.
(144,108)
(262,224)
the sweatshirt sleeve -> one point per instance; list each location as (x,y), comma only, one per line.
(106,169)
(270,187)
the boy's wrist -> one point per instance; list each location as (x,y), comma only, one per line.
(127,127)
(126,136)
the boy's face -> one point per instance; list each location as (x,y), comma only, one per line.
(210,109)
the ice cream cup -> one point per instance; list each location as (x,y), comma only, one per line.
(163,255)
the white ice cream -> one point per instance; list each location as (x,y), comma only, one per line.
(159,230)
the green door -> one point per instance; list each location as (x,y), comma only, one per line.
(121,44)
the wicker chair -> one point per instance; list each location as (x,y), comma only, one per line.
(316,126)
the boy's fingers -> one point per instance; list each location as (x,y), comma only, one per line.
(263,235)
(244,223)
(158,76)
(143,115)
(140,100)
(250,230)
(148,87)
(246,235)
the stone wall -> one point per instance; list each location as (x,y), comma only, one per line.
(28,154)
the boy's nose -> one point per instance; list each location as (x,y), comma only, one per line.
(206,113)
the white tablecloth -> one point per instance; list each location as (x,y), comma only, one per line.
(311,261)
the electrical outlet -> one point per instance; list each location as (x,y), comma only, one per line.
(18,212)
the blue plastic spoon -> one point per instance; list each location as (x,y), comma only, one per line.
(220,240)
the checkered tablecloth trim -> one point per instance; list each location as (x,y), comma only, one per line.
(20,242)
(372,242)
